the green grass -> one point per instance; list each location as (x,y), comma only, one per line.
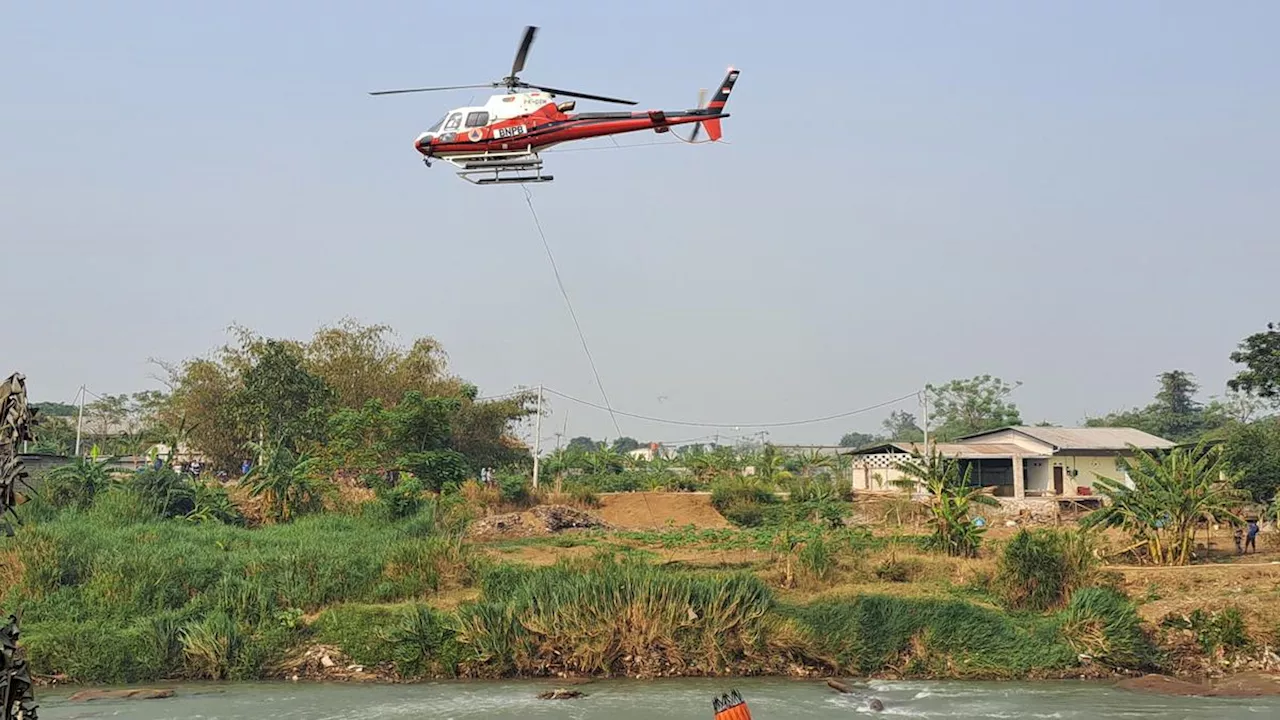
(919,637)
(107,599)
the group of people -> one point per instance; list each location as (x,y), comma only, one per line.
(1247,537)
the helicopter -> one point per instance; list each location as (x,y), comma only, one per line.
(500,142)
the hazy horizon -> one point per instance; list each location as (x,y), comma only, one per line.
(1075,196)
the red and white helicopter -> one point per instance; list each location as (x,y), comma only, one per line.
(501,140)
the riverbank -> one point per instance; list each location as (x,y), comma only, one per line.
(109,596)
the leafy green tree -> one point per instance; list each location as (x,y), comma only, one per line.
(583,444)
(901,426)
(1260,354)
(626,444)
(1252,455)
(963,407)
(858,439)
(1174,414)
(951,501)
(421,434)
(281,400)
(1172,493)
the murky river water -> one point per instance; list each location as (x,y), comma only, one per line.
(674,699)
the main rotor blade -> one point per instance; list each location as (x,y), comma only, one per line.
(431,89)
(584,96)
(529,33)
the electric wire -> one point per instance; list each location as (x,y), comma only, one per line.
(689,423)
(528,198)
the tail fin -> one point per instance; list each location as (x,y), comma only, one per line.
(716,106)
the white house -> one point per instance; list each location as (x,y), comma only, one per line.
(1018,462)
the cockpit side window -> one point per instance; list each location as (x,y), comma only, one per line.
(436,127)
(455,120)
(477,119)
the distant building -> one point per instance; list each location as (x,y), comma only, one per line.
(1017,462)
(654,450)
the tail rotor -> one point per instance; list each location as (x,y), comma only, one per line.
(697,127)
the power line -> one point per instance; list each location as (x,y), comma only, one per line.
(688,423)
(528,198)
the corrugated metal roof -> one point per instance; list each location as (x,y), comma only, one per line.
(1117,438)
(963,451)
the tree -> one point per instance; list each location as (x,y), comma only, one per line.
(951,497)
(583,444)
(1172,493)
(1260,354)
(1252,455)
(965,407)
(284,481)
(224,400)
(281,400)
(858,439)
(1174,413)
(901,426)
(626,444)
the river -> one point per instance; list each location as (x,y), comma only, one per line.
(634,700)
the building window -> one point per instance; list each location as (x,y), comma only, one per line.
(477,119)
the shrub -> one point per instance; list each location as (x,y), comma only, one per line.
(816,558)
(1103,624)
(75,485)
(742,501)
(1039,570)
(925,637)
(615,617)
(898,571)
(405,499)
(1223,629)
(514,489)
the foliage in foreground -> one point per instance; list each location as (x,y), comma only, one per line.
(1040,569)
(951,498)
(111,598)
(1172,493)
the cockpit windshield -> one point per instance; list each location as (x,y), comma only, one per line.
(436,127)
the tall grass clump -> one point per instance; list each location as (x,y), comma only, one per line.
(229,596)
(1040,569)
(744,501)
(612,618)
(1102,624)
(925,637)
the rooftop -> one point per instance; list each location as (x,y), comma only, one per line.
(1103,438)
(962,451)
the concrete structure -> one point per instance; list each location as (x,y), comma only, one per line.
(1017,462)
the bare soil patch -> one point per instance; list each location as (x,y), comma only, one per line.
(649,510)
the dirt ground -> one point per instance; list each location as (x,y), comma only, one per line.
(645,511)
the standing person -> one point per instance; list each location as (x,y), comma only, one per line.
(1251,536)
(1238,536)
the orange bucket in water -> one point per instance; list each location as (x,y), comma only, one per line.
(731,707)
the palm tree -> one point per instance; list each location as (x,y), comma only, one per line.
(812,461)
(1172,493)
(78,482)
(771,465)
(951,497)
(284,482)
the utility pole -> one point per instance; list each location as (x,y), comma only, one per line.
(537,439)
(79,420)
(924,398)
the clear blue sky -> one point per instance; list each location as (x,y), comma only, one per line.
(1075,195)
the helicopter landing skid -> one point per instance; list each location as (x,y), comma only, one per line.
(500,168)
